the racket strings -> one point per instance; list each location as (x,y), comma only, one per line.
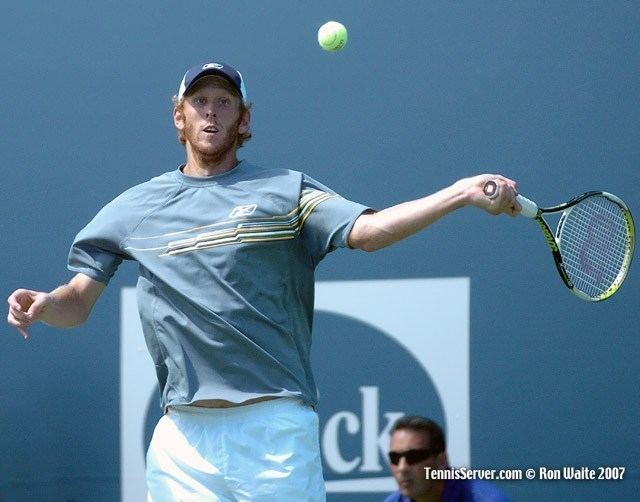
(594,244)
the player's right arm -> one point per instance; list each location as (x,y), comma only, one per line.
(66,306)
(376,230)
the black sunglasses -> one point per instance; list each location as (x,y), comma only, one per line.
(411,456)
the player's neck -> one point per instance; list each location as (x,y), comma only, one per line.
(201,166)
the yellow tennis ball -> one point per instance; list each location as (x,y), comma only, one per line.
(332,36)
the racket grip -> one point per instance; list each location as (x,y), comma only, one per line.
(529,208)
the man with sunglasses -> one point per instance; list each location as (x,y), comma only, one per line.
(418,443)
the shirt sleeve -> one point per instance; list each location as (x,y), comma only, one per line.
(326,218)
(96,251)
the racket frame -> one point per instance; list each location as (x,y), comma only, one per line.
(554,244)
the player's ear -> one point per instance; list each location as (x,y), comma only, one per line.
(178,118)
(245,122)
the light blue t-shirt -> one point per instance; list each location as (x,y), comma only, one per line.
(226,282)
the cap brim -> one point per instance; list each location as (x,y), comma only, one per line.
(209,72)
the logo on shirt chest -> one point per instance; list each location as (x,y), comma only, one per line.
(241,211)
(242,226)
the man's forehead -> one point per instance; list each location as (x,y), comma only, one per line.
(407,439)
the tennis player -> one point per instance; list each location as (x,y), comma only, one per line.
(227,251)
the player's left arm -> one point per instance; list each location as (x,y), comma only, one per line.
(373,231)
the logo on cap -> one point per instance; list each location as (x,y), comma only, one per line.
(216,66)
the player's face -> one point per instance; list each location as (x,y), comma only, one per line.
(211,121)
(411,479)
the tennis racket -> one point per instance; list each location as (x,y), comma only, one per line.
(593,244)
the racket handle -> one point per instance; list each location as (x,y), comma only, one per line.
(529,208)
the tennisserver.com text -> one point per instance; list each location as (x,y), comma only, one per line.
(543,473)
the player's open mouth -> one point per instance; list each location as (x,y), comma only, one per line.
(210,129)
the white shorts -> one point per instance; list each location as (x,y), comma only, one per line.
(259,452)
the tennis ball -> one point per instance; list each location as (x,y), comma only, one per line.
(332,36)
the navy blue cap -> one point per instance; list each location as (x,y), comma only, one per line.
(213,68)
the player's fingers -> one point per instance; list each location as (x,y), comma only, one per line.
(510,192)
(16,321)
(506,194)
(499,180)
(501,194)
(21,299)
(507,201)
(13,301)
(38,306)
(19,315)
(24,332)
(514,209)
(19,325)
(504,182)
(512,206)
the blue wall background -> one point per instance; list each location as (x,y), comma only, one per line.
(425,93)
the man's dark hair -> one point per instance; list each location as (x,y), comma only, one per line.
(422,424)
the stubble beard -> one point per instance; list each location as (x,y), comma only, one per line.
(213,156)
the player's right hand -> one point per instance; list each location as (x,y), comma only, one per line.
(504,202)
(25,308)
